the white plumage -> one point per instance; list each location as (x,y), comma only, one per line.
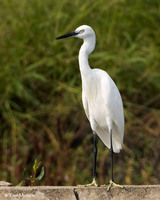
(101,99)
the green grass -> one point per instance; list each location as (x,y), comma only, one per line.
(41,114)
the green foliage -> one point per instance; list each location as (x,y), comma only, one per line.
(41,114)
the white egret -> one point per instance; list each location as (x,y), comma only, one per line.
(101,100)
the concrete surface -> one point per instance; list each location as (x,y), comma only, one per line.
(150,192)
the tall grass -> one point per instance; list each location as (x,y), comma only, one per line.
(41,114)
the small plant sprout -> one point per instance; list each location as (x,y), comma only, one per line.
(33,178)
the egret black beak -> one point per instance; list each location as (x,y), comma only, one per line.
(67,35)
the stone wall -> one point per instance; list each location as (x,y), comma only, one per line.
(150,192)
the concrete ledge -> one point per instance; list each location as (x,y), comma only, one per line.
(150,192)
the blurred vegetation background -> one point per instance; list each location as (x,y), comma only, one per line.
(41,114)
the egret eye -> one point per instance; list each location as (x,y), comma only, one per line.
(81,31)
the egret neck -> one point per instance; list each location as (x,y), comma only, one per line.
(86,48)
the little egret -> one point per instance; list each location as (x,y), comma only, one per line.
(101,100)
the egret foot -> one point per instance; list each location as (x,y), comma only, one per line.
(111,183)
(94,183)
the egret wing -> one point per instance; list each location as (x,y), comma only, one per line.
(113,103)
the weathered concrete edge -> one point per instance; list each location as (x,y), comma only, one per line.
(130,192)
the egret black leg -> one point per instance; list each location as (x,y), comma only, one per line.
(94,163)
(111,156)
(95,154)
(111,183)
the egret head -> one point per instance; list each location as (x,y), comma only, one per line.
(82,32)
